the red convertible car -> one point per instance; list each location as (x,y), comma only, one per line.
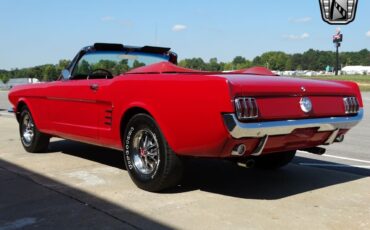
(137,100)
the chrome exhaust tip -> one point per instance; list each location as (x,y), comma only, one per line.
(249,163)
(315,150)
(239,150)
(339,138)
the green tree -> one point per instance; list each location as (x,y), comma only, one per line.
(83,68)
(213,65)
(274,60)
(257,61)
(228,66)
(121,67)
(50,73)
(193,63)
(63,64)
(238,60)
(4,77)
(137,64)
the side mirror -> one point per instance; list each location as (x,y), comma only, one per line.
(66,74)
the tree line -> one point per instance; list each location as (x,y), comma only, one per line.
(275,60)
(47,72)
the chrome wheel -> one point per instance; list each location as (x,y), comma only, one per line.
(27,130)
(149,160)
(145,151)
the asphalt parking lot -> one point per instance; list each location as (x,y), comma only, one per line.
(76,185)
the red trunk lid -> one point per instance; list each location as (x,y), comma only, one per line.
(279,97)
(252,85)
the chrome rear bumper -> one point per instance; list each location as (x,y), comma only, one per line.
(265,129)
(239,129)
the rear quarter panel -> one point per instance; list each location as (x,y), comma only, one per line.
(355,88)
(187,108)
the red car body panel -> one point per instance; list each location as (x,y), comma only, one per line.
(186,104)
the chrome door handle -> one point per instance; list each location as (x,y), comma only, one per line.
(94,87)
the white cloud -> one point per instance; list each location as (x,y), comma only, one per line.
(304,35)
(297,37)
(107,18)
(368,34)
(301,20)
(121,22)
(179,27)
(126,23)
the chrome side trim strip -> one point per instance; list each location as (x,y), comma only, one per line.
(239,129)
(71,99)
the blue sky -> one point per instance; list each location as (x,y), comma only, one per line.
(35,32)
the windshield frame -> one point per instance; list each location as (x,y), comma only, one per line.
(141,56)
(151,50)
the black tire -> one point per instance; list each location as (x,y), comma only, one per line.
(274,160)
(151,163)
(34,141)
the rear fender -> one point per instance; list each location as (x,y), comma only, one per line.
(151,111)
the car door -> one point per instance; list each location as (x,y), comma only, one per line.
(74,105)
(73,109)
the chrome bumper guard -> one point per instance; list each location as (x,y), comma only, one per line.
(265,129)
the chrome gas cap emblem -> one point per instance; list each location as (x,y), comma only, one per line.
(306,104)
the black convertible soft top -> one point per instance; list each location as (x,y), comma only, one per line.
(120,47)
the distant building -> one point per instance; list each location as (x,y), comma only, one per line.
(20,81)
(2,85)
(351,70)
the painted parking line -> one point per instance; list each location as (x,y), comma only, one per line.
(346,158)
(336,165)
(342,158)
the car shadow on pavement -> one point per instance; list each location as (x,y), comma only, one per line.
(226,178)
(31,200)
(102,155)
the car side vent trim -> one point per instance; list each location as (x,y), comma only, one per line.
(246,108)
(108,117)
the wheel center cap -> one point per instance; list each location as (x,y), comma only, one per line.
(142,152)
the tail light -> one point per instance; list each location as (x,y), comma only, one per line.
(351,105)
(246,108)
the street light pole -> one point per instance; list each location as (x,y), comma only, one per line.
(337,39)
(337,57)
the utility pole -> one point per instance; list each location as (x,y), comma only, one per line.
(337,39)
(337,57)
